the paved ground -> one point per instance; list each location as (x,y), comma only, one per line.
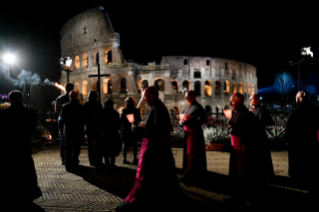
(90,189)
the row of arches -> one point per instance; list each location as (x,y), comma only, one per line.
(241,88)
(106,89)
(83,61)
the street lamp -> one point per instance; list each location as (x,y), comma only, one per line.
(9,59)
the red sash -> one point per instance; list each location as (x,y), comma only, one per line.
(239,151)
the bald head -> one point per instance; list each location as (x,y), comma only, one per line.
(254,99)
(301,97)
(236,101)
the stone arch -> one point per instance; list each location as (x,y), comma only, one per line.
(240,87)
(85,60)
(186,85)
(197,74)
(197,88)
(77,86)
(160,84)
(234,87)
(94,84)
(123,86)
(107,57)
(249,88)
(77,62)
(84,88)
(226,86)
(217,87)
(94,55)
(107,86)
(208,88)
(208,109)
(175,86)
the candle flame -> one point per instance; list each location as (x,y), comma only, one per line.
(60,87)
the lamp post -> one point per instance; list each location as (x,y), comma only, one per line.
(9,59)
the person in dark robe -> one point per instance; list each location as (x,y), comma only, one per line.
(127,135)
(93,112)
(244,165)
(156,185)
(73,117)
(18,181)
(264,119)
(110,144)
(60,101)
(194,155)
(303,147)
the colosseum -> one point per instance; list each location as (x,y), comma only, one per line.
(91,33)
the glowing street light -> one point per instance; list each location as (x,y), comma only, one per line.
(9,58)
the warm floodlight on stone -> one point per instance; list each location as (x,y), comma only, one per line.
(9,58)
(306,51)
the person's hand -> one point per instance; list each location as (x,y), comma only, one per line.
(181,122)
(230,123)
(133,128)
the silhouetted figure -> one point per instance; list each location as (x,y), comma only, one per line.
(73,117)
(194,157)
(156,186)
(93,112)
(244,165)
(301,135)
(60,101)
(264,119)
(18,179)
(127,135)
(110,144)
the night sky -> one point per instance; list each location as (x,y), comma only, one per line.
(266,36)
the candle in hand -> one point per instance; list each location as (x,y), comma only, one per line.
(130,118)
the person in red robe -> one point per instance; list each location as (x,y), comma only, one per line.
(156,186)
(194,157)
(244,165)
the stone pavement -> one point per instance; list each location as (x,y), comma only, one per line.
(91,189)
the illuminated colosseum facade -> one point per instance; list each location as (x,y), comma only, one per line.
(91,32)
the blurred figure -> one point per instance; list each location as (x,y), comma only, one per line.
(60,101)
(18,181)
(264,119)
(194,157)
(110,144)
(301,135)
(73,117)
(127,135)
(244,156)
(156,186)
(93,114)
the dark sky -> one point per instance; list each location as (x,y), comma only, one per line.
(264,35)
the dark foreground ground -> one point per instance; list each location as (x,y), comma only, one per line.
(91,189)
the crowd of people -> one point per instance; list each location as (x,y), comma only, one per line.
(156,184)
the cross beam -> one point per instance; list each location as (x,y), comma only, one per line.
(98,75)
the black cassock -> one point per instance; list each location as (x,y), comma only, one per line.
(264,119)
(301,135)
(194,155)
(73,117)
(110,144)
(18,179)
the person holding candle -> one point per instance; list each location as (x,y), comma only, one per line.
(194,157)
(156,185)
(127,135)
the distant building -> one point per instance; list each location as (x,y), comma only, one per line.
(91,32)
